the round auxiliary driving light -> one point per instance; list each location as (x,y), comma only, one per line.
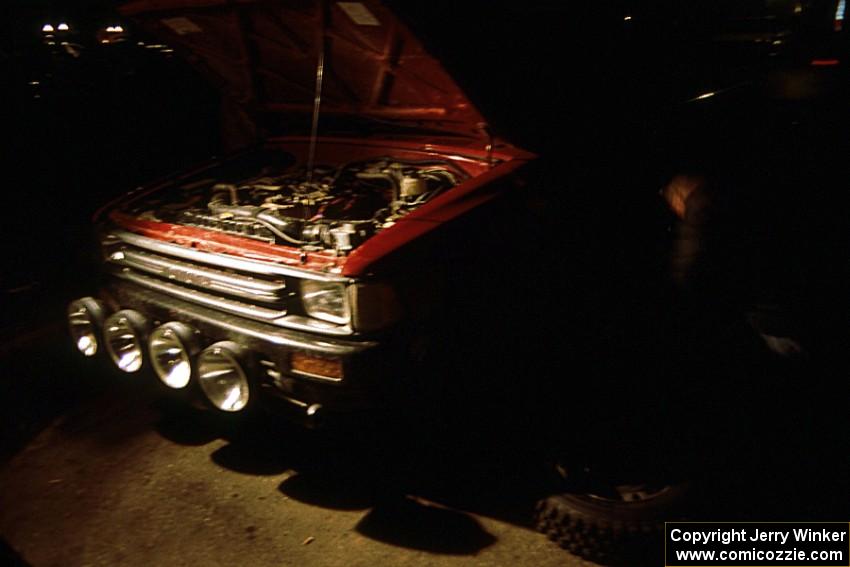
(123,333)
(221,376)
(171,347)
(85,318)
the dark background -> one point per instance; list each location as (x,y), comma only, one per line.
(88,122)
(77,131)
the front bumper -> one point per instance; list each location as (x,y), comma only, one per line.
(367,364)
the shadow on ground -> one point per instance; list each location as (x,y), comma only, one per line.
(38,388)
(9,557)
(420,492)
(409,523)
(416,491)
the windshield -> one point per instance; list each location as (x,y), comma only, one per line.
(762,21)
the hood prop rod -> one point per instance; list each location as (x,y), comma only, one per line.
(317,100)
(484,129)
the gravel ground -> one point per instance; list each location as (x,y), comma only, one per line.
(100,471)
(98,468)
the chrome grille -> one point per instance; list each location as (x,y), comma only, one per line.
(248,288)
(209,300)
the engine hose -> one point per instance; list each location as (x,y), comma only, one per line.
(242,211)
(276,231)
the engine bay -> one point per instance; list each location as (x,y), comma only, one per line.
(326,208)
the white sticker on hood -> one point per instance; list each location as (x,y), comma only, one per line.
(181,26)
(359,13)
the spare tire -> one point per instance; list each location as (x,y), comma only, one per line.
(622,526)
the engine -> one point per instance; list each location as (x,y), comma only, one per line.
(329,208)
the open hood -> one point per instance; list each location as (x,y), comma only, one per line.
(265,56)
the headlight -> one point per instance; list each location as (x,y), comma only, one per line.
(171,347)
(222,377)
(326,301)
(123,333)
(85,317)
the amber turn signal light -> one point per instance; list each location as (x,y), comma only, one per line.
(326,368)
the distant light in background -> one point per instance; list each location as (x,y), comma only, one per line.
(839,15)
(627,19)
(111,34)
(63,27)
(47,28)
(704,96)
(825,62)
(161,47)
